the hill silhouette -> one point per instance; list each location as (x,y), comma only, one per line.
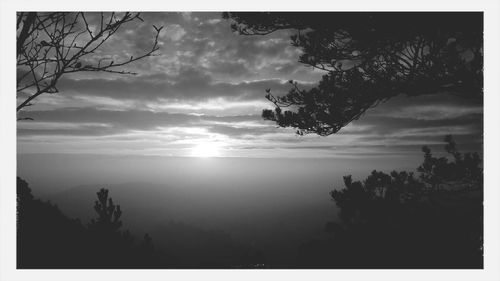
(47,238)
(432,219)
(398,220)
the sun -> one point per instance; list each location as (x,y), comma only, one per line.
(206,150)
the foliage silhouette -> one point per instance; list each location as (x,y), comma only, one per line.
(108,213)
(49,239)
(52,45)
(46,238)
(398,220)
(370,58)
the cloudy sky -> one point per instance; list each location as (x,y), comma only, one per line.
(204,94)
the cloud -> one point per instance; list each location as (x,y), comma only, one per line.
(437,112)
(237,131)
(173,32)
(209,83)
(188,84)
(81,121)
(214,21)
(429,107)
(374,130)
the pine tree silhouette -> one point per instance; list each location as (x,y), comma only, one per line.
(109,214)
(399,220)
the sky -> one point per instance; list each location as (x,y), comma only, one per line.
(203,96)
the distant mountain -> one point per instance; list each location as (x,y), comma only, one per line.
(140,202)
(182,217)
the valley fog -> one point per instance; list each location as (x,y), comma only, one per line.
(261,203)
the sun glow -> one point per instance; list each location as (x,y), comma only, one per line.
(205,150)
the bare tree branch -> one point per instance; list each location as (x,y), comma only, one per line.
(51,45)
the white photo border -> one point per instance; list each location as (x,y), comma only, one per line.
(8,10)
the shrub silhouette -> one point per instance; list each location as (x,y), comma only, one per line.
(46,238)
(49,239)
(398,220)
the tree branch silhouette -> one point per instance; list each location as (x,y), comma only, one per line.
(51,45)
(370,58)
